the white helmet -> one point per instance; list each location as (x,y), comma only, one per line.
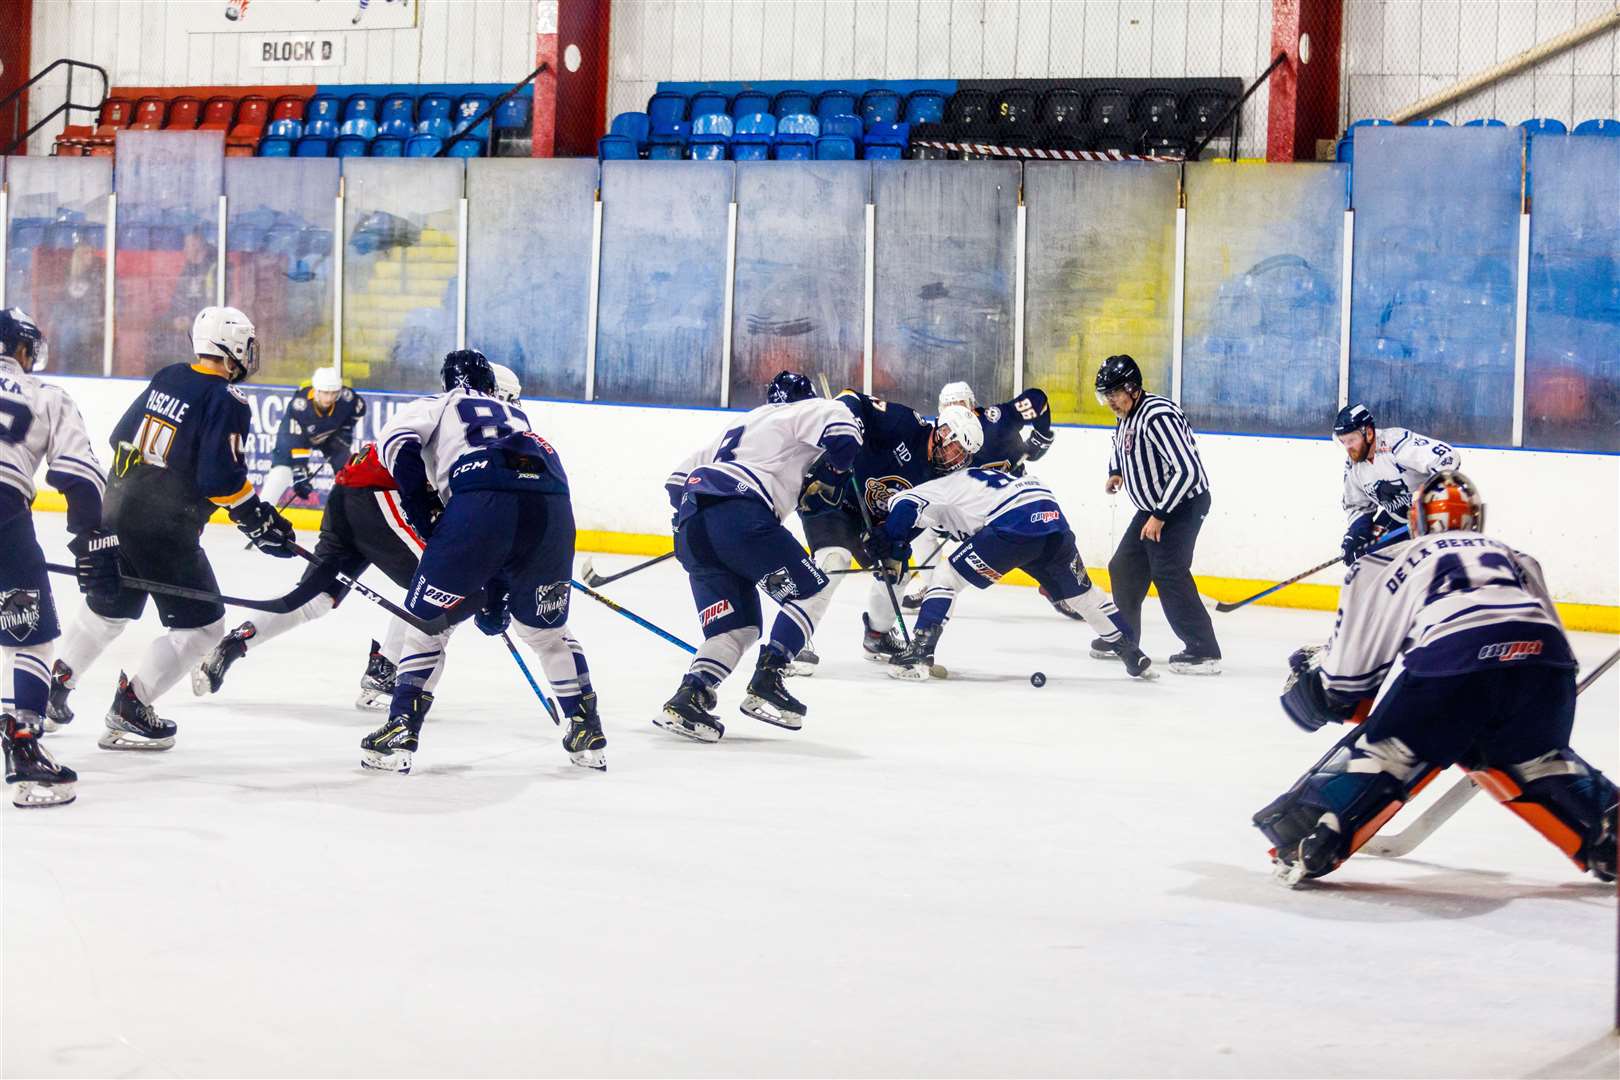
(958,426)
(228,334)
(508,388)
(326,380)
(957,393)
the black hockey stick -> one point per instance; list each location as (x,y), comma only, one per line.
(435,625)
(1392,535)
(596,581)
(866,517)
(867,570)
(302,593)
(1402,843)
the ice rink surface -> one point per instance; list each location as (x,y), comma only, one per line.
(965,878)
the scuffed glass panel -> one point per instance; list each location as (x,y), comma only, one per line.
(1260,329)
(168,183)
(661,304)
(943,294)
(800,293)
(529,268)
(56,254)
(401,219)
(1435,279)
(278,259)
(1572,336)
(1098,276)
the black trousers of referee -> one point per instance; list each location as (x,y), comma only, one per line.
(1166,564)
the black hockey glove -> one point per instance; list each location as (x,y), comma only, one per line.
(1308,703)
(302,486)
(1358,539)
(1036,446)
(494,617)
(265,527)
(1394,497)
(95,563)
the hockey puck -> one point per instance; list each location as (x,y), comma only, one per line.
(1038,679)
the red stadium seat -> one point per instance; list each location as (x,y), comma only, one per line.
(288,107)
(251,115)
(184,113)
(218,114)
(149,114)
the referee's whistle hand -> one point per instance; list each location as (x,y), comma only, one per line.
(1114,484)
(1151,528)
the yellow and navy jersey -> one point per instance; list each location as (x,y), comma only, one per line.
(195,424)
(1004,443)
(305,426)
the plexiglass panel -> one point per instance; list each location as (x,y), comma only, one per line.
(1260,327)
(800,294)
(1099,262)
(945,254)
(1435,279)
(660,319)
(169,183)
(56,254)
(401,220)
(529,268)
(278,259)
(1572,336)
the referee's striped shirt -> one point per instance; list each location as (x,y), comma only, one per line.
(1154,451)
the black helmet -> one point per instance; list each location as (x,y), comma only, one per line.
(1117,373)
(1353,418)
(788,386)
(468,368)
(17,330)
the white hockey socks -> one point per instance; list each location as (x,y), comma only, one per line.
(274,625)
(561,658)
(394,641)
(276,483)
(717,657)
(86,640)
(170,657)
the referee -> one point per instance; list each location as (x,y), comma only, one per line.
(1156,460)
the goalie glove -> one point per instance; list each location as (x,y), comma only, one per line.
(1308,703)
(264,527)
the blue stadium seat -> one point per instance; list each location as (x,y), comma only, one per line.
(1545,125)
(313,146)
(880,107)
(1430,121)
(1484,122)
(794,151)
(884,152)
(276,147)
(925,107)
(843,124)
(285,129)
(666,107)
(616,148)
(398,107)
(360,127)
(792,102)
(750,151)
(707,148)
(835,103)
(749,102)
(634,126)
(1608,128)
(668,140)
(835,148)
(800,128)
(890,137)
(707,101)
(350,146)
(1371,121)
(387,146)
(754,130)
(437,126)
(1345,150)
(360,107)
(668,151)
(472,116)
(434,107)
(399,127)
(321,116)
(513,114)
(711,124)
(467,146)
(423,146)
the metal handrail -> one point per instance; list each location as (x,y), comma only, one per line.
(511,93)
(15,98)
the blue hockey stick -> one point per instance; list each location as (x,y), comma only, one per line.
(633,617)
(539,693)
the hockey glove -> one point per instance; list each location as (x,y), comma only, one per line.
(265,527)
(494,617)
(1358,539)
(302,486)
(1036,446)
(1394,497)
(1310,704)
(95,563)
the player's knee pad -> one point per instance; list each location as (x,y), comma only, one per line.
(1566,800)
(833,558)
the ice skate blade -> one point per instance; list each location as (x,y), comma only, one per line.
(374,700)
(804,669)
(1208,667)
(394,761)
(911,672)
(1289,874)
(55,725)
(589,759)
(31,795)
(128,740)
(675,723)
(760,709)
(199,683)
(1099,654)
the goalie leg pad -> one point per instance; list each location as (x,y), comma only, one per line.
(1564,799)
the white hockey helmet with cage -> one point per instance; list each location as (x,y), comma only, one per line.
(226,333)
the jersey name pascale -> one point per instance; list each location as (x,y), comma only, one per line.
(167,406)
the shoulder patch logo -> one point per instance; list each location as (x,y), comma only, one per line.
(993,413)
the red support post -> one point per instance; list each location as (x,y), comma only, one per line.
(1305,90)
(570,99)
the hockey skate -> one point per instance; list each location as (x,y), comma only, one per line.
(390,747)
(377,684)
(209,675)
(1185,663)
(134,725)
(584,741)
(1103,650)
(1137,664)
(1317,853)
(38,780)
(803,665)
(687,713)
(57,712)
(915,663)
(915,588)
(880,646)
(767,698)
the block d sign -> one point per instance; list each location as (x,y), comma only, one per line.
(293,50)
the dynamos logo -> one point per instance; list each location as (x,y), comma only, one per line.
(715,611)
(1506,651)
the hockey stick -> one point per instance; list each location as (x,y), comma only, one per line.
(866,570)
(866,517)
(302,593)
(428,626)
(596,581)
(511,648)
(1402,843)
(1233,605)
(633,617)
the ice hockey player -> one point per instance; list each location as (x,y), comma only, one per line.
(900,451)
(730,499)
(788,386)
(507,530)
(1460,632)
(1003,522)
(39,422)
(321,415)
(177,457)
(1381,470)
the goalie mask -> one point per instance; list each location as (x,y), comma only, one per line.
(1446,502)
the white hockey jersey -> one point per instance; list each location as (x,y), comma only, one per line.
(40,423)
(1445,604)
(966,502)
(1398,454)
(768,452)
(448,427)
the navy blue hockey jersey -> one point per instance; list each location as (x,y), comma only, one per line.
(1004,443)
(195,424)
(894,454)
(305,426)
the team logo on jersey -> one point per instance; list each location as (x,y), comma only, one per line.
(902,453)
(779,585)
(1127,440)
(300,403)
(880,490)
(1507,651)
(431,594)
(1043,517)
(993,413)
(19,612)
(551,599)
(715,611)
(237,394)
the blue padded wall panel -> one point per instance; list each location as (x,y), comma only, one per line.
(662,296)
